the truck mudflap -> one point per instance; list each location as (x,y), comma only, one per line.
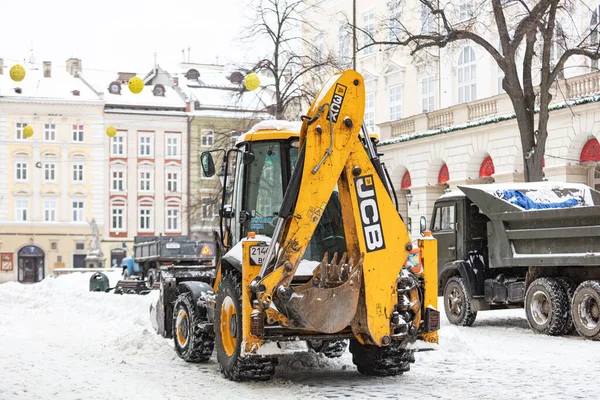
(472,273)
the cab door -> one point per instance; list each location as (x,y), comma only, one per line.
(443,228)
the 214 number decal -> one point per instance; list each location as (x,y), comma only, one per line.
(258,254)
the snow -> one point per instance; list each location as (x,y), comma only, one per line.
(277,125)
(60,341)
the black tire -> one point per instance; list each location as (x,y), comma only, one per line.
(546,306)
(569,287)
(586,310)
(192,342)
(457,303)
(329,348)
(381,361)
(234,366)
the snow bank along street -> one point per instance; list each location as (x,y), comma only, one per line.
(60,341)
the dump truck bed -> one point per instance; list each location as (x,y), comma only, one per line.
(171,249)
(519,237)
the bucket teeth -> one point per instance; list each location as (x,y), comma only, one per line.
(331,274)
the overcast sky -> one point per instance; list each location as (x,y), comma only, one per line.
(122,35)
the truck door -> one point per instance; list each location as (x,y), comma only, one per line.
(444,230)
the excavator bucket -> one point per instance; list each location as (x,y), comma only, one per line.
(328,302)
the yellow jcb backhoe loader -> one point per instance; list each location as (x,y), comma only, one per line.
(297,199)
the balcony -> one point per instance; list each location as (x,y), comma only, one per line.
(469,113)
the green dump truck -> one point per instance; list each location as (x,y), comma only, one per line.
(531,245)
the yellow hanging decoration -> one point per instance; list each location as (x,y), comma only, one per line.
(136,85)
(251,81)
(111,131)
(17,73)
(28,131)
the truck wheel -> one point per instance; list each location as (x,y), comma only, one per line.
(586,310)
(457,303)
(329,348)
(381,361)
(569,287)
(546,306)
(228,333)
(192,342)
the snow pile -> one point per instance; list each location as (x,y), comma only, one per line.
(550,196)
(277,125)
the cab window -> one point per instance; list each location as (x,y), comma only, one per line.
(444,218)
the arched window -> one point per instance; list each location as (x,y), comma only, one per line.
(487,168)
(467,75)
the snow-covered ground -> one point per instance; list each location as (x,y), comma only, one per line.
(59,341)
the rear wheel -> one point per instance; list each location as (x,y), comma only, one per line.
(228,333)
(546,306)
(381,361)
(586,310)
(457,303)
(329,348)
(192,342)
(569,287)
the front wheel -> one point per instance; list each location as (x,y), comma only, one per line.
(381,361)
(546,306)
(586,310)
(457,303)
(228,333)
(192,342)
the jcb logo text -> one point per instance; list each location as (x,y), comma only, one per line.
(369,213)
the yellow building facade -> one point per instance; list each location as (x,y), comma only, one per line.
(52,183)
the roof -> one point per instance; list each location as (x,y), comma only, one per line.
(61,85)
(271,130)
(101,81)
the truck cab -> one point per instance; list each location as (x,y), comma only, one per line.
(460,228)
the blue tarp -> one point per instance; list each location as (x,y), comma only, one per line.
(519,199)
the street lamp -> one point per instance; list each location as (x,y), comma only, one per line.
(409,197)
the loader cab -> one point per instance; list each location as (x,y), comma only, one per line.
(459,228)
(258,189)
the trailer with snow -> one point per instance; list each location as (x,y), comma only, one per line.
(531,245)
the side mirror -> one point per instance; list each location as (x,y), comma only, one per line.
(208,165)
(247,157)
(423,225)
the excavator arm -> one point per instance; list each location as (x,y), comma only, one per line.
(361,290)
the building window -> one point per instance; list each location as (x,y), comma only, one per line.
(207,209)
(145,219)
(344,43)
(172,181)
(50,210)
(21,210)
(145,181)
(594,36)
(368,36)
(117,220)
(118,181)
(465,10)
(173,220)
(426,19)
(370,111)
(78,212)
(395,24)
(395,103)
(117,146)
(427,94)
(49,172)
(21,171)
(467,76)
(77,173)
(77,133)
(19,130)
(172,146)
(50,132)
(146,149)
(207,138)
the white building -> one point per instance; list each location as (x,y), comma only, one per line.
(146,189)
(442,117)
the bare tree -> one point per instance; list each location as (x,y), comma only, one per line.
(535,37)
(297,56)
